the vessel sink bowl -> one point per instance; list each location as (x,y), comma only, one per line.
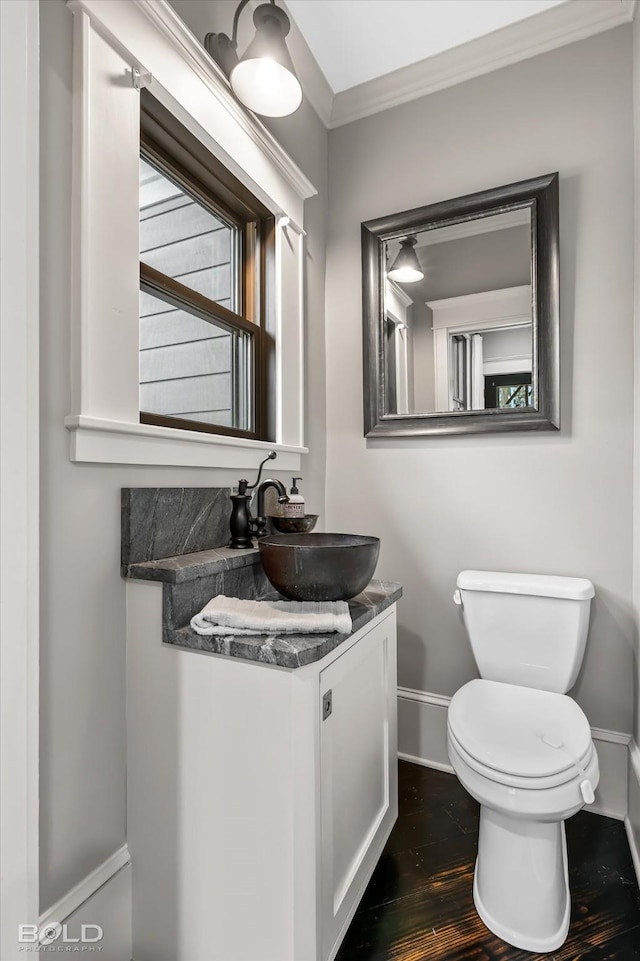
(319,567)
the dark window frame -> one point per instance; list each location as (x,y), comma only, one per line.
(168,145)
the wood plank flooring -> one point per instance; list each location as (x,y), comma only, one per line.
(419,902)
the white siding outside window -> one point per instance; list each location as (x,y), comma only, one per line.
(186,361)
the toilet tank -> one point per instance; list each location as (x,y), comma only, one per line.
(527,629)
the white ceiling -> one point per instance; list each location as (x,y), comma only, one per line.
(355,41)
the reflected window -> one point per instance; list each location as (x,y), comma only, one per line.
(460,372)
(508,391)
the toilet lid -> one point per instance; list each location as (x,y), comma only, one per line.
(519,730)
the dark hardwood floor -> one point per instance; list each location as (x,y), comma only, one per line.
(419,903)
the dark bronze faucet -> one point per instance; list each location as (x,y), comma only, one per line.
(241,524)
(261,521)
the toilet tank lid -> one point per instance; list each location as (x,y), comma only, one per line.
(540,585)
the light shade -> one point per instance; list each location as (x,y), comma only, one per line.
(406,267)
(265,79)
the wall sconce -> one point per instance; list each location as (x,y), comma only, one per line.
(406,267)
(264,79)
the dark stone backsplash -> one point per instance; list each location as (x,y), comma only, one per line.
(161,522)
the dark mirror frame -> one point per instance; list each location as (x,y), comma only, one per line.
(541,195)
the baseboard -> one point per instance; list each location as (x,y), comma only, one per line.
(422,739)
(632,820)
(434,765)
(102,898)
(422,728)
(86,888)
(613,755)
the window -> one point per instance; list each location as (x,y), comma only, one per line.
(142,79)
(460,364)
(204,287)
(508,390)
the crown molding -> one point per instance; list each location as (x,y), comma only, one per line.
(472,228)
(502,304)
(401,294)
(561,25)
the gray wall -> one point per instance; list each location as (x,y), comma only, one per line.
(422,356)
(508,342)
(552,502)
(82,805)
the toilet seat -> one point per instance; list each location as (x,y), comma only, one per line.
(518,736)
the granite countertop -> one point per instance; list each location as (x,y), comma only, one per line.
(188,567)
(290,650)
(190,580)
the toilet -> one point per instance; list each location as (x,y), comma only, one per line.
(523,748)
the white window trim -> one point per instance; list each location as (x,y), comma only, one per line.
(114,39)
(397,303)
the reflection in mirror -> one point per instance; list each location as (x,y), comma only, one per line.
(458,319)
(461,314)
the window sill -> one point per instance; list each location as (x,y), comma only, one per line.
(95,440)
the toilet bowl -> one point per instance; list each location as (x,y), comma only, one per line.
(526,787)
(524,752)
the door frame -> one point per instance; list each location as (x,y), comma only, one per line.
(19,470)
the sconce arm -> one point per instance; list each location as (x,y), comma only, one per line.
(236,19)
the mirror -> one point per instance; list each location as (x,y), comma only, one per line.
(460,314)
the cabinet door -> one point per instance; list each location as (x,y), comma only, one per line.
(358,778)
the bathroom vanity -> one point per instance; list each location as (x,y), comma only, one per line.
(262,775)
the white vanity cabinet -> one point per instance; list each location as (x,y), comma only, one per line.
(358,771)
(259,797)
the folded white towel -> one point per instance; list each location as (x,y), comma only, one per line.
(231,615)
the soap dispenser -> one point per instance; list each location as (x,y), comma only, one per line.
(295,505)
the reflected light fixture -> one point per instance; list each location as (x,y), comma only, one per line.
(264,79)
(406,267)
